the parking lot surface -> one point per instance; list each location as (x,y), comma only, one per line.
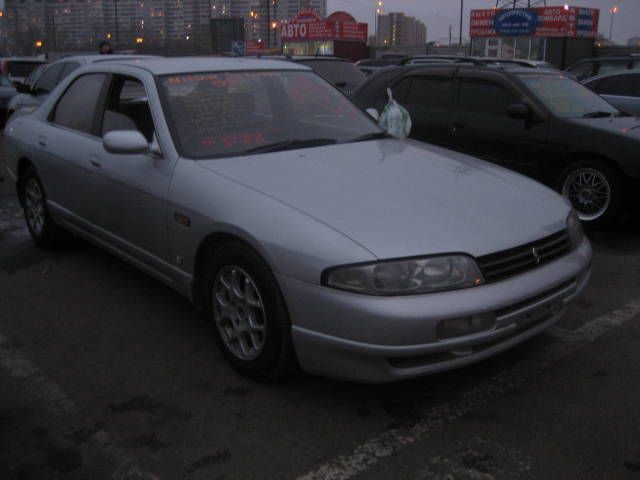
(106,373)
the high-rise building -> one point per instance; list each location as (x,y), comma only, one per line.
(158,25)
(396,29)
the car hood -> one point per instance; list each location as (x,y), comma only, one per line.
(399,199)
(625,126)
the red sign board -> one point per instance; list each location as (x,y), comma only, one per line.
(307,28)
(253,47)
(550,22)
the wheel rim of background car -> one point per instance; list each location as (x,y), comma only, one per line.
(589,192)
(239,312)
(34,205)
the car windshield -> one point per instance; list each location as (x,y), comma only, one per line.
(567,98)
(337,72)
(222,114)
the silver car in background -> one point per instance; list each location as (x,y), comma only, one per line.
(621,89)
(306,234)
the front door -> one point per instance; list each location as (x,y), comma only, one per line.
(481,127)
(132,188)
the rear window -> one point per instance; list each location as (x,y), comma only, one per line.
(337,72)
(21,69)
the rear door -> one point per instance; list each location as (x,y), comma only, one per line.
(63,144)
(481,127)
(428,96)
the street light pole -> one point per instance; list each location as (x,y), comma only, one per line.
(613,10)
(461,15)
(115,4)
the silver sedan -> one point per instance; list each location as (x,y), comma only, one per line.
(307,235)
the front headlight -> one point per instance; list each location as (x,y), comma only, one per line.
(574,227)
(406,277)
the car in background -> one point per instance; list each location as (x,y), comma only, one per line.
(7,92)
(339,71)
(31,95)
(590,67)
(17,69)
(621,89)
(540,123)
(306,234)
(369,66)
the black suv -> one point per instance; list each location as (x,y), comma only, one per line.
(540,123)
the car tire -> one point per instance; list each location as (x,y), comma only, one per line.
(249,317)
(44,231)
(596,191)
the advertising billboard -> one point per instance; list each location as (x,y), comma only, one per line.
(564,21)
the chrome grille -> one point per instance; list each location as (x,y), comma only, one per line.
(500,265)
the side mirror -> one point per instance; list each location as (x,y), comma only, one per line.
(519,111)
(374,113)
(125,142)
(22,88)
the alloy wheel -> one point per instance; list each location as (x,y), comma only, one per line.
(589,192)
(239,312)
(34,205)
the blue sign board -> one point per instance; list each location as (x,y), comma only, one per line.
(516,22)
(237,48)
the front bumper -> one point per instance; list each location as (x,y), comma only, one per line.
(381,339)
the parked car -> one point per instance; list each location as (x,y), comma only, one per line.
(590,67)
(341,72)
(17,69)
(369,66)
(538,122)
(32,95)
(7,92)
(621,89)
(303,231)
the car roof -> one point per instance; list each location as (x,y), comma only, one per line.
(24,59)
(613,57)
(611,74)
(166,66)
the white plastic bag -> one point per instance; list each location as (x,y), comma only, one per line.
(395,119)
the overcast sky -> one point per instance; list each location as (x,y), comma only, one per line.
(439,14)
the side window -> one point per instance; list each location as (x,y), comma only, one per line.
(69,67)
(430,92)
(582,70)
(399,92)
(77,106)
(481,96)
(49,79)
(606,67)
(620,85)
(127,108)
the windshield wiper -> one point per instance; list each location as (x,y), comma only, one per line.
(597,114)
(370,136)
(292,145)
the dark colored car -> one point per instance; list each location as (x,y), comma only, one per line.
(621,89)
(339,71)
(590,67)
(540,123)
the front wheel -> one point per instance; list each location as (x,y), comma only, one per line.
(250,320)
(595,190)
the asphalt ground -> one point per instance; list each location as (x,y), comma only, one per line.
(107,374)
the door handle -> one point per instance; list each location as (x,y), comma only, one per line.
(42,141)
(95,162)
